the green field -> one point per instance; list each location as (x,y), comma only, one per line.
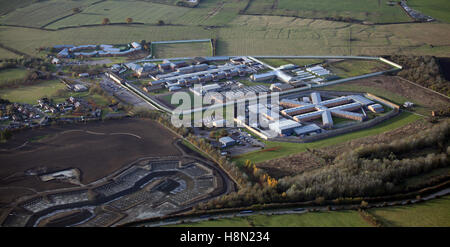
(286,148)
(30,94)
(316,219)
(350,68)
(119,11)
(254,35)
(438,9)
(96,98)
(8,5)
(5,54)
(362,10)
(212,12)
(182,50)
(429,214)
(41,13)
(12,74)
(236,34)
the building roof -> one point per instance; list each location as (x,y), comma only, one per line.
(316,98)
(361,99)
(264,76)
(299,108)
(376,106)
(284,124)
(292,102)
(226,139)
(306,129)
(340,100)
(347,106)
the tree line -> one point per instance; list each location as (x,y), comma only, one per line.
(371,170)
(37,69)
(423,70)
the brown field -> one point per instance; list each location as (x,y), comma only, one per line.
(96,149)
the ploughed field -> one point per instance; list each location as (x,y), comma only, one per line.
(96,149)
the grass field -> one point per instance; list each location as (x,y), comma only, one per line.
(97,99)
(212,12)
(12,74)
(429,214)
(41,13)
(182,50)
(30,94)
(119,11)
(316,219)
(438,9)
(236,34)
(8,5)
(350,68)
(5,54)
(284,148)
(362,10)
(255,35)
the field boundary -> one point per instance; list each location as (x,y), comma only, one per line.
(428,89)
(13,50)
(244,11)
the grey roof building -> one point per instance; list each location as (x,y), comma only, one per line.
(227,141)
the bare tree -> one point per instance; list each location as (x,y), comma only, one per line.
(106,21)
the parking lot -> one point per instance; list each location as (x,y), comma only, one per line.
(245,142)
